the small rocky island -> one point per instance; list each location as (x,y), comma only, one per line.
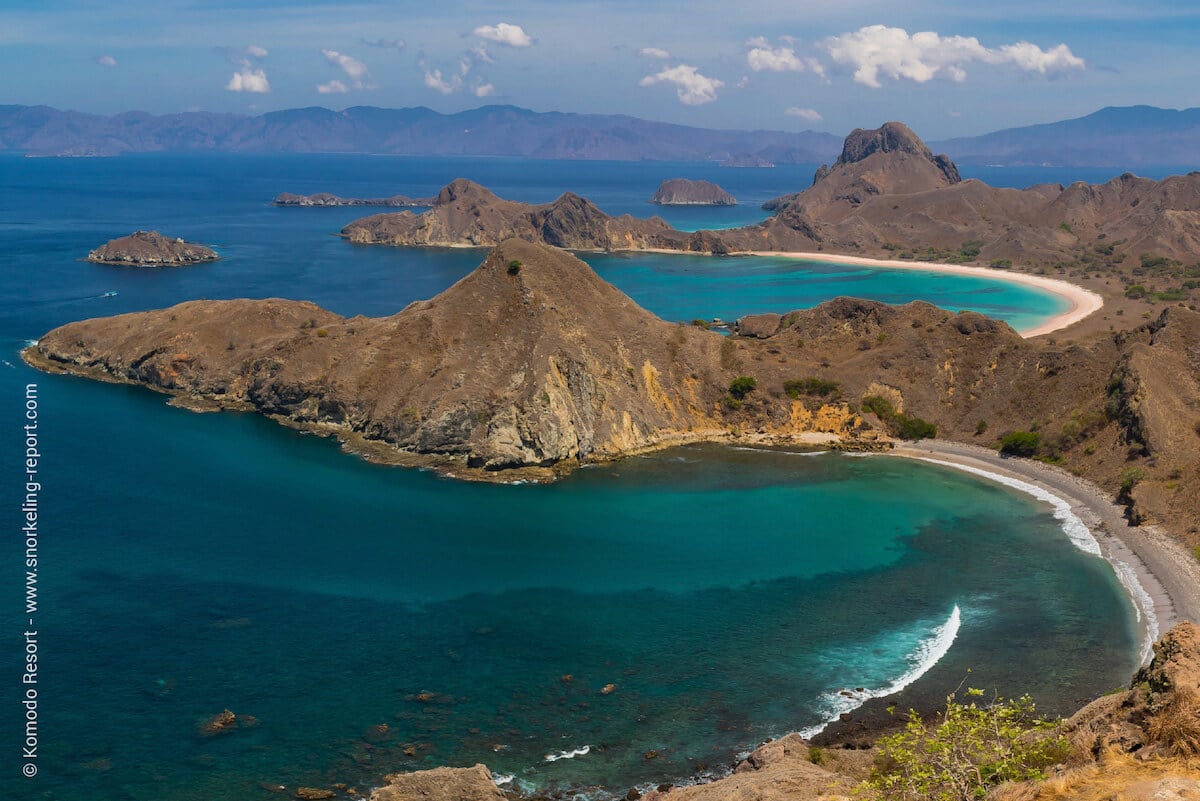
(685,192)
(327,199)
(151,249)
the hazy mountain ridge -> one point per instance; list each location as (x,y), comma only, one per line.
(1124,137)
(485,131)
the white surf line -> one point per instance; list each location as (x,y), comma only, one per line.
(1083,539)
(929,651)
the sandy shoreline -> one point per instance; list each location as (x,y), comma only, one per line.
(1083,302)
(1169,575)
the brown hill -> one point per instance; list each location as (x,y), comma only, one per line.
(530,361)
(151,249)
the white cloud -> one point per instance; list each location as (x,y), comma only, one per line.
(692,88)
(484,90)
(332,88)
(808,114)
(106,61)
(777,59)
(654,52)
(256,51)
(355,70)
(505,33)
(447,86)
(1031,58)
(249,80)
(878,50)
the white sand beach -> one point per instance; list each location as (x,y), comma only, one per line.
(1082,302)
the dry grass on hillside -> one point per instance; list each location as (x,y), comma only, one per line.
(1117,777)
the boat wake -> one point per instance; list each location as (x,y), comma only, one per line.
(575,752)
(928,652)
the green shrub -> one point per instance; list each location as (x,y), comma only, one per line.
(811,386)
(966,752)
(1130,478)
(1152,262)
(980,427)
(970,249)
(322,332)
(742,386)
(1135,291)
(914,428)
(880,406)
(514,267)
(1020,443)
(701,323)
(1062,226)
(816,755)
(1001,264)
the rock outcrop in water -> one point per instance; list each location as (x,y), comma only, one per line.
(151,249)
(684,192)
(326,199)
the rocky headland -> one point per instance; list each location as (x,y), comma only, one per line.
(326,199)
(685,192)
(151,249)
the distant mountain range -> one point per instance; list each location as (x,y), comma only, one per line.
(486,131)
(1122,138)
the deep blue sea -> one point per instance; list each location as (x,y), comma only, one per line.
(368,619)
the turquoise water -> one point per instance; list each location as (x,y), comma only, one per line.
(197,562)
(690,287)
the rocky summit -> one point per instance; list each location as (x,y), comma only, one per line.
(151,249)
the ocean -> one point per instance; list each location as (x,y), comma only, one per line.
(639,622)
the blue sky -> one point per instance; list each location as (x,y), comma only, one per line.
(946,68)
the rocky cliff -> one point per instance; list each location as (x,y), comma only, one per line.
(685,192)
(151,249)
